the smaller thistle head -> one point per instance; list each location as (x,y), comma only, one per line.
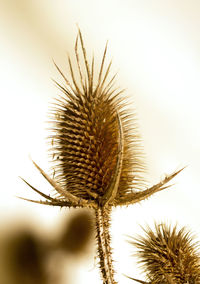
(168,255)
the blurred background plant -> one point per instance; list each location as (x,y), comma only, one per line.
(28,256)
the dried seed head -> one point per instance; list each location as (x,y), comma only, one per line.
(169,256)
(92,139)
(96,148)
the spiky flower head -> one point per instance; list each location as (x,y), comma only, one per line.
(168,255)
(94,140)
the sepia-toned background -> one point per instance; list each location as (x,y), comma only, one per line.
(155,47)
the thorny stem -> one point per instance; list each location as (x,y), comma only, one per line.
(103,242)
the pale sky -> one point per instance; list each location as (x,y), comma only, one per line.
(155,47)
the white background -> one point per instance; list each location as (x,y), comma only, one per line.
(155,47)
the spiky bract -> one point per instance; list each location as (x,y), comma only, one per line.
(169,255)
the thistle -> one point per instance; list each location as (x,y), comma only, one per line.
(99,162)
(168,256)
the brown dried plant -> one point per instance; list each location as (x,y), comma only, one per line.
(99,162)
(168,256)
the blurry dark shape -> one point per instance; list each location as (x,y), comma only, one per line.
(24,260)
(78,233)
(168,256)
(27,257)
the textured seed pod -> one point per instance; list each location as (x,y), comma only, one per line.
(86,135)
(95,145)
(169,256)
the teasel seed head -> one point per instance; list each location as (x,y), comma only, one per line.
(168,255)
(95,140)
(95,144)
